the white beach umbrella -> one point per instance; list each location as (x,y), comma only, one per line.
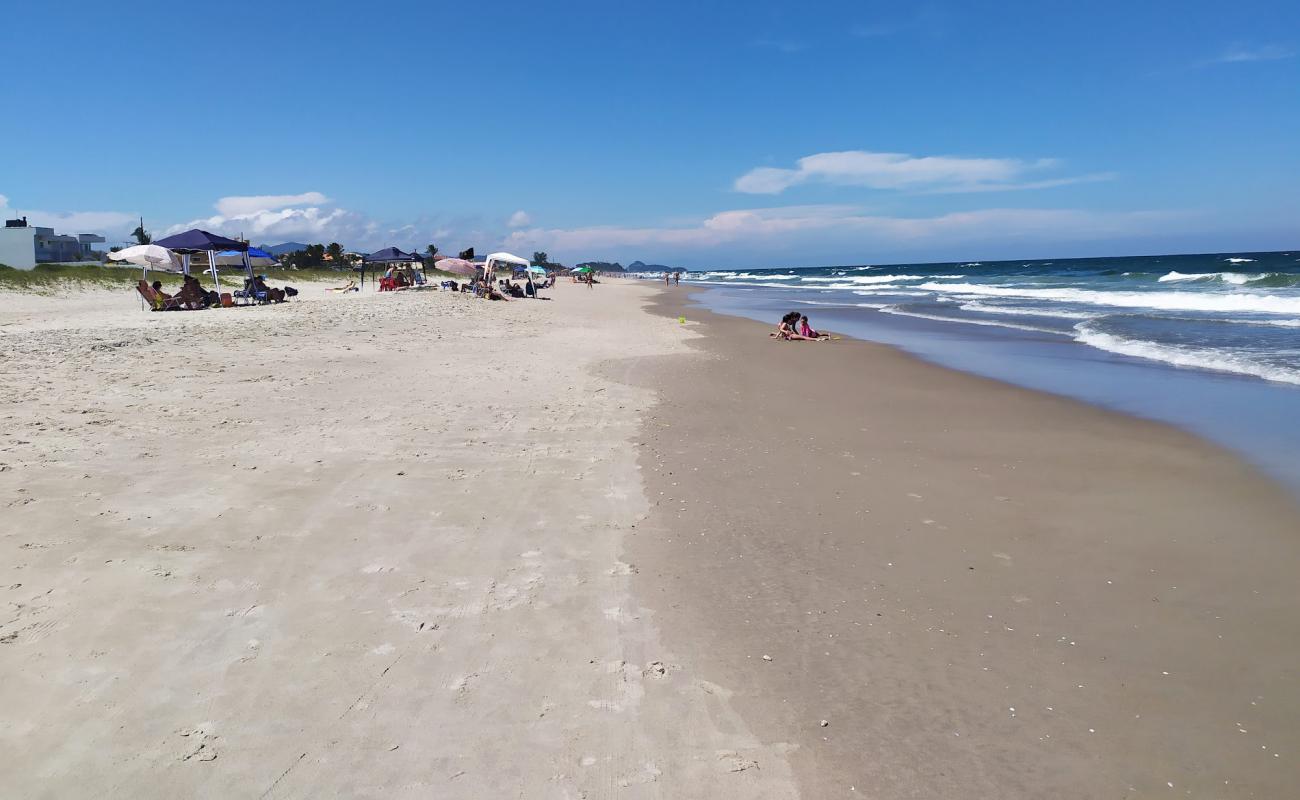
(151,256)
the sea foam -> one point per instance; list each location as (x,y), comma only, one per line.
(1171,301)
(1235,278)
(1184,356)
(864,280)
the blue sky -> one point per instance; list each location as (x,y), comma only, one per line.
(695,134)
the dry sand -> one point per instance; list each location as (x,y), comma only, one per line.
(353,546)
(984,592)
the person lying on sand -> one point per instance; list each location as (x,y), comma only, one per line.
(350,286)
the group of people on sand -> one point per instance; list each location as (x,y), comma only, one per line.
(192,296)
(794,327)
(505,288)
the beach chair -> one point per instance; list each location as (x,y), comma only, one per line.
(156,301)
(251,292)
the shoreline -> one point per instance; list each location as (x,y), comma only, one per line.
(922,550)
(1248,415)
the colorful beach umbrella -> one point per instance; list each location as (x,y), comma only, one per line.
(459,266)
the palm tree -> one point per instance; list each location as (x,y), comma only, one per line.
(141,235)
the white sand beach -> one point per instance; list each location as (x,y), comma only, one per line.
(353,546)
(415,544)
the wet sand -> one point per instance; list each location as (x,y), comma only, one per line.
(965,589)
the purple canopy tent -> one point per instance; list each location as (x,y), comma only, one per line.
(389,255)
(197,241)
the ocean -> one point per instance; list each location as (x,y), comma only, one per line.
(1207,342)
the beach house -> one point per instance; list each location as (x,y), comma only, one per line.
(23,246)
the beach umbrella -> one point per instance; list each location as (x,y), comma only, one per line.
(458,266)
(536,270)
(584,269)
(149,256)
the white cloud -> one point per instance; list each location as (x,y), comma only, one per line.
(900,171)
(288,224)
(108,223)
(235,206)
(1239,53)
(790,227)
(520,219)
(262,221)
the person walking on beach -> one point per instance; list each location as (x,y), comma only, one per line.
(677,279)
(666,277)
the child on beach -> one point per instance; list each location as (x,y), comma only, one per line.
(806,330)
(786,331)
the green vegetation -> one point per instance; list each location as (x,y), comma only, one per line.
(141,235)
(603,266)
(53,278)
(313,256)
(541,259)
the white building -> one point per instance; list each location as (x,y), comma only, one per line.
(23,246)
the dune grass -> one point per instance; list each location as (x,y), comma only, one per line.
(53,278)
